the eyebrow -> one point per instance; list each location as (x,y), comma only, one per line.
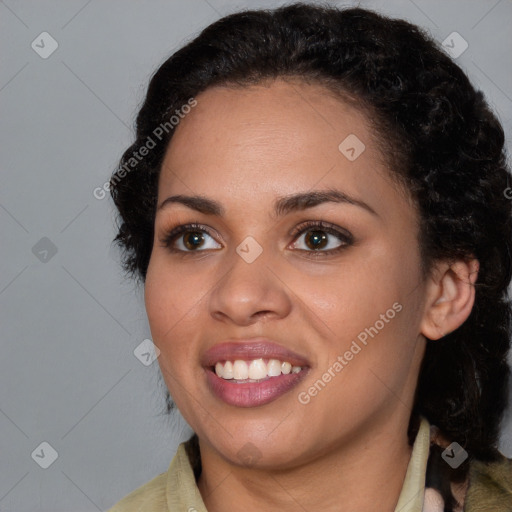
(282,206)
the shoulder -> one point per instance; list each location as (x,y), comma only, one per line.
(490,486)
(166,491)
(150,497)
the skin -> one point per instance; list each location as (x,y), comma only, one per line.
(347,448)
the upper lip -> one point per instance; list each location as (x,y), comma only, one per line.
(249,349)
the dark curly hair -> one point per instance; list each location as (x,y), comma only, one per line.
(442,144)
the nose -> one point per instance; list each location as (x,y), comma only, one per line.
(249,292)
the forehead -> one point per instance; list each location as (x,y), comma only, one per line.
(270,114)
(274,138)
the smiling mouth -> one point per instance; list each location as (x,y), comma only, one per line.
(250,373)
(252,383)
(255,370)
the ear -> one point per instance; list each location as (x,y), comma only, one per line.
(450,297)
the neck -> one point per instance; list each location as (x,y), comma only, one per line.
(366,470)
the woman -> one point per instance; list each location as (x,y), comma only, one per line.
(316,205)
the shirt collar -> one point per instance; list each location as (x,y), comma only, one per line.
(183,494)
(413,489)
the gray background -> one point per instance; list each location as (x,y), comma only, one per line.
(70,321)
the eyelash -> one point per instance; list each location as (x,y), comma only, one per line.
(344,236)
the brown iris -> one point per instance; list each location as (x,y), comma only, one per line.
(318,239)
(193,239)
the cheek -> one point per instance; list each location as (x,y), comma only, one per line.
(171,307)
(366,311)
(161,306)
(352,295)
(171,301)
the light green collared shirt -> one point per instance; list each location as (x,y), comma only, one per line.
(177,491)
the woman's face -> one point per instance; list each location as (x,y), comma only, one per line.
(259,280)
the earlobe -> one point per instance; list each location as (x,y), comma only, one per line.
(450,298)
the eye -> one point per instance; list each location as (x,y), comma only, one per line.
(317,237)
(189,238)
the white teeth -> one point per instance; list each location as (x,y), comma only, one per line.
(254,370)
(257,369)
(274,368)
(286,368)
(240,370)
(228,370)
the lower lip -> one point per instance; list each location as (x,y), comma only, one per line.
(252,394)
